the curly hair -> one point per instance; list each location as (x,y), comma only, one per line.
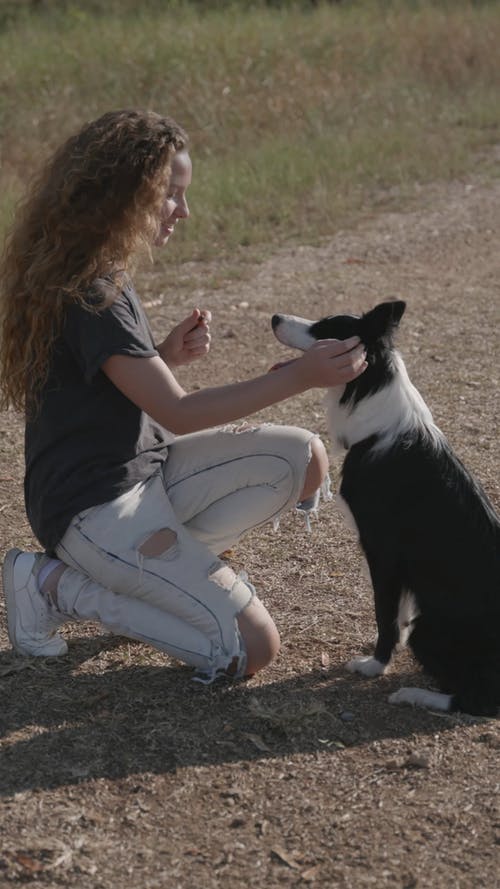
(94,203)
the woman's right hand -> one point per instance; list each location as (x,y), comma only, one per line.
(332,362)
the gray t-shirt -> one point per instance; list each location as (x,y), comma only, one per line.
(88,443)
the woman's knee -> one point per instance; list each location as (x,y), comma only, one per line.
(317,468)
(260,636)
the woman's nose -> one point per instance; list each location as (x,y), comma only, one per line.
(182,209)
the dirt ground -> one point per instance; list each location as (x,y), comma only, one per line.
(116,769)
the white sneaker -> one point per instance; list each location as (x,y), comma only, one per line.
(32,622)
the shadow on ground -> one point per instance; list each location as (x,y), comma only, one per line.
(63,722)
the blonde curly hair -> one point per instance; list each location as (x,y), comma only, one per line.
(94,203)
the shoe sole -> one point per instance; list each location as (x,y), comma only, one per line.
(10,598)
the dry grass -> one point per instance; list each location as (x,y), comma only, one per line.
(117,770)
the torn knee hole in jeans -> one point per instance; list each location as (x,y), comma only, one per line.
(158,543)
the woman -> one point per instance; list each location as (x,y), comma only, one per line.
(131,515)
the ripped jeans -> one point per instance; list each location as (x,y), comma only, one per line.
(145,564)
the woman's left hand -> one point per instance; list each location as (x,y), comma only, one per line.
(189,340)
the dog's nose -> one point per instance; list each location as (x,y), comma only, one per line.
(275,320)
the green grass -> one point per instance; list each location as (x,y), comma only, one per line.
(298,116)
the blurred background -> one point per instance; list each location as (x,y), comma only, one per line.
(300,114)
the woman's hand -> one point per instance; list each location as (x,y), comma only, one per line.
(332,362)
(189,340)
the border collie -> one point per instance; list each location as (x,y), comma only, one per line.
(429,533)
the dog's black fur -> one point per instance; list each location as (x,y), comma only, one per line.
(425,525)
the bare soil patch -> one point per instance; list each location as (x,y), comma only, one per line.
(117,770)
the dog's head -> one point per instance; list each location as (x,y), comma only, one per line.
(375,330)
(372,328)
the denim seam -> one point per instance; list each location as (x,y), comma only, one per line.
(225,463)
(218,466)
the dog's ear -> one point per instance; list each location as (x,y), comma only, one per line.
(382,320)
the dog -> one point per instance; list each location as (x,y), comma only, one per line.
(430,535)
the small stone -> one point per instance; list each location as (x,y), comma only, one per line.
(418,761)
(392,765)
(347,716)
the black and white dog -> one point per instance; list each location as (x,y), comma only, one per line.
(430,535)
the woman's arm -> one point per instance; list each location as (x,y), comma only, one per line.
(151,385)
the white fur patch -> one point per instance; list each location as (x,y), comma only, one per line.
(368,666)
(294,332)
(407,614)
(350,521)
(388,413)
(421,697)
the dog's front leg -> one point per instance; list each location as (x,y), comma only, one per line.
(387,592)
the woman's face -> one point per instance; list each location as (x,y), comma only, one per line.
(174,205)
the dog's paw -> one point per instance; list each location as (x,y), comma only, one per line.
(406,696)
(421,697)
(368,666)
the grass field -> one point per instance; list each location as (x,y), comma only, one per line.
(299,115)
